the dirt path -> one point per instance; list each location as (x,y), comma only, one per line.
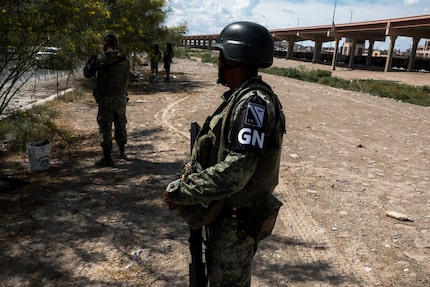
(347,159)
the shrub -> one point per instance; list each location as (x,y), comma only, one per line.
(402,92)
(208,57)
(35,124)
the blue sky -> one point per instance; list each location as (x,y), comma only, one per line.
(210,16)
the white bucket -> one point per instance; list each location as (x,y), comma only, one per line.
(39,155)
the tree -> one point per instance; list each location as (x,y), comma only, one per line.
(77,28)
(28,25)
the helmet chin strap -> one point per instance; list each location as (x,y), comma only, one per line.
(221,72)
(221,77)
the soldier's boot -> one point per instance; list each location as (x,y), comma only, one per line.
(122,153)
(106,159)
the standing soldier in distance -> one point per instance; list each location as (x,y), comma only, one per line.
(113,73)
(236,156)
(167,60)
(155,58)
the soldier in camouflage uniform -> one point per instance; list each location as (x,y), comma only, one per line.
(167,60)
(113,72)
(237,153)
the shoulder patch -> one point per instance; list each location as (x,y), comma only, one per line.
(255,115)
(249,128)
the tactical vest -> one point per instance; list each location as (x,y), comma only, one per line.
(212,144)
(112,78)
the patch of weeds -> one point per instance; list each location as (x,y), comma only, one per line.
(402,92)
(36,124)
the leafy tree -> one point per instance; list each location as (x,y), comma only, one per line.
(26,26)
(77,28)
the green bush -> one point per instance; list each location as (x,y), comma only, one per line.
(402,92)
(183,52)
(334,82)
(35,124)
(315,75)
(208,57)
(77,93)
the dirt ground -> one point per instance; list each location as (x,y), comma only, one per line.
(348,158)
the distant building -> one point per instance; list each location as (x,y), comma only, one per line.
(423,52)
(347,47)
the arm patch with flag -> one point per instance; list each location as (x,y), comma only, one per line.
(249,130)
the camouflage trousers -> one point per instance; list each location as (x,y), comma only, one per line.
(230,257)
(108,115)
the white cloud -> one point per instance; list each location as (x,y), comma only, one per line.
(207,17)
(294,14)
(211,16)
(411,2)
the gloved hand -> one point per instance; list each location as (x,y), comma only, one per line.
(90,69)
(186,170)
(171,187)
(170,204)
(189,168)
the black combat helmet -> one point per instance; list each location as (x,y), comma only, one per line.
(247,43)
(111,41)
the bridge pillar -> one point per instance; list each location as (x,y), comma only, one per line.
(413,54)
(390,54)
(317,51)
(336,48)
(290,51)
(352,53)
(369,53)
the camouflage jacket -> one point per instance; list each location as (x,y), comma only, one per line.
(238,150)
(113,73)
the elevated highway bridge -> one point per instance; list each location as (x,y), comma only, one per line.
(415,27)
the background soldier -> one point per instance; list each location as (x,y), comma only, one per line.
(113,73)
(167,60)
(236,155)
(155,58)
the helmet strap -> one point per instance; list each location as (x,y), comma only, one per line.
(221,76)
(223,66)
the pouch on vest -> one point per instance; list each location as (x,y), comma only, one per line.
(198,215)
(262,216)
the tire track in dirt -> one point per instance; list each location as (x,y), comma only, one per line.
(164,116)
(305,249)
(308,245)
(309,251)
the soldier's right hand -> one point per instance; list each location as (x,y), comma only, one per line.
(170,204)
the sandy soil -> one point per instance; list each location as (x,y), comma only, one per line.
(348,158)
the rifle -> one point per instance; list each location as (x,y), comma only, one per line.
(197,271)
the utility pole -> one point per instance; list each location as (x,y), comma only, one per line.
(334,13)
(350,18)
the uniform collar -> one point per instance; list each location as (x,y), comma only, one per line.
(228,94)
